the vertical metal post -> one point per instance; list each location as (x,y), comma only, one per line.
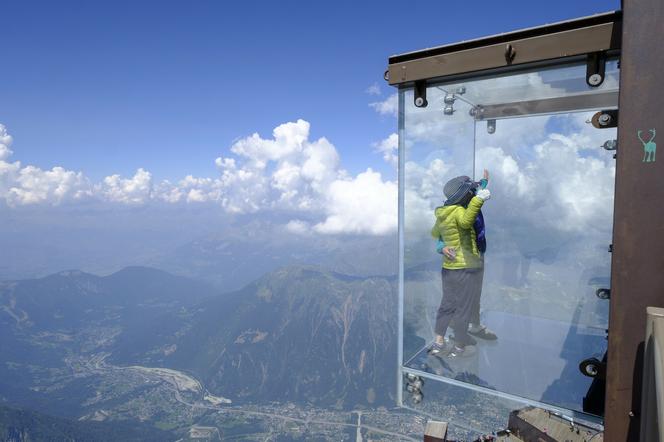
(652,402)
(402,158)
(637,275)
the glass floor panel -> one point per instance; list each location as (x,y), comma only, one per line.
(526,360)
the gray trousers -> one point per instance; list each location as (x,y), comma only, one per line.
(475,307)
(460,304)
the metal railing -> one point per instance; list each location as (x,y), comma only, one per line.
(652,400)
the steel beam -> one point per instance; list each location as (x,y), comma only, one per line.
(569,103)
(637,275)
(576,37)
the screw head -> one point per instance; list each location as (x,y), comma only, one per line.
(595,80)
(448,110)
(604,119)
(449,99)
(419,102)
(610,144)
(591,370)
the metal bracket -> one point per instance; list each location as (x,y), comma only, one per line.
(421,94)
(510,53)
(605,119)
(414,386)
(610,145)
(595,69)
(593,368)
(603,293)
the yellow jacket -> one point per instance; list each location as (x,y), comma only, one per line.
(454,224)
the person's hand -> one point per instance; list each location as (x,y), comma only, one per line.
(483,194)
(450,253)
(486,175)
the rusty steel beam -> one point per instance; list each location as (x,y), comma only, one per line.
(567,39)
(637,275)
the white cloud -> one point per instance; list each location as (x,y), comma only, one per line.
(33,185)
(5,143)
(374,89)
(135,190)
(299,227)
(389,147)
(364,204)
(287,173)
(389,106)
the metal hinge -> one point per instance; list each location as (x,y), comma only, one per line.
(595,69)
(605,119)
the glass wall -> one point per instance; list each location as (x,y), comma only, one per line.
(547,226)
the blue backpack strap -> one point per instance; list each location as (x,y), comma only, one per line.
(480,231)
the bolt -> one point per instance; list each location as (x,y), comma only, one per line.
(448,110)
(610,144)
(491,126)
(604,119)
(449,99)
(461,90)
(419,102)
(595,80)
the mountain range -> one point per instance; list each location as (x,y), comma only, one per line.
(299,334)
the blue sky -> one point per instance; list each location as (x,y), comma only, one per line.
(168,86)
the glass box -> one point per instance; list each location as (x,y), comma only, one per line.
(547,224)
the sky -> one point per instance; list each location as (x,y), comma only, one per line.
(110,87)
(249,107)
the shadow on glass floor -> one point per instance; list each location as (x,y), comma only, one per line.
(534,358)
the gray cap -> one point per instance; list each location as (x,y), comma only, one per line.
(456,188)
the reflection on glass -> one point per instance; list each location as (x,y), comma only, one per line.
(513,310)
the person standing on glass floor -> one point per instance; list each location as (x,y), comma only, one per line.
(460,232)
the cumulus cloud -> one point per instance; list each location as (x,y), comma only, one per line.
(389,106)
(287,173)
(389,147)
(22,185)
(5,142)
(364,204)
(374,89)
(135,190)
(299,227)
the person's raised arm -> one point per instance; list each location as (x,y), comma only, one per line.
(466,218)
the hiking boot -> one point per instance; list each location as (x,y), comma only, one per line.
(437,349)
(483,333)
(462,352)
(469,340)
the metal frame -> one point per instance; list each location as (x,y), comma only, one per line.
(580,102)
(502,395)
(637,279)
(402,156)
(599,33)
(556,44)
(652,401)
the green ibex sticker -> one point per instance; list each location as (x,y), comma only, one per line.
(649,147)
